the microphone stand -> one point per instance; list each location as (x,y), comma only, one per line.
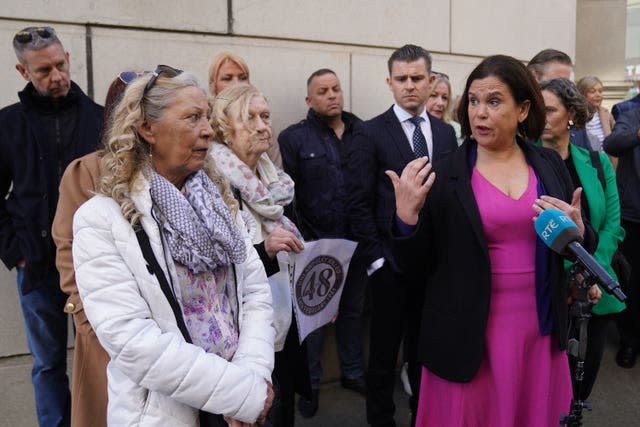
(580,313)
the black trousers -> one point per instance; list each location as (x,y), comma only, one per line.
(212,420)
(396,312)
(629,320)
(290,376)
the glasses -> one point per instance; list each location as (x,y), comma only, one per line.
(160,70)
(127,77)
(27,35)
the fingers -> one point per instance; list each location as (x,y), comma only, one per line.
(575,199)
(595,294)
(412,188)
(267,403)
(282,240)
(289,240)
(417,170)
(395,179)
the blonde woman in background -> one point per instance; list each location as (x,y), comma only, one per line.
(602,121)
(241,122)
(227,69)
(439,103)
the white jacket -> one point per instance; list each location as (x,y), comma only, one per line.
(156,378)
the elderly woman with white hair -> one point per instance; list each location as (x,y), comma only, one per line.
(167,274)
(241,122)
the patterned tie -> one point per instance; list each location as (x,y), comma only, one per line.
(419,142)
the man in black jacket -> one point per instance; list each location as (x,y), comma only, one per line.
(624,143)
(314,155)
(388,142)
(53,123)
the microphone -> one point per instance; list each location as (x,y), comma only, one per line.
(562,235)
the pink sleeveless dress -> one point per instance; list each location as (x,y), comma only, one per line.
(524,379)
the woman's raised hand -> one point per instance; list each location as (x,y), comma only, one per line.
(411,188)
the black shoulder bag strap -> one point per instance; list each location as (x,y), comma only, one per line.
(155,269)
(595,161)
(206,419)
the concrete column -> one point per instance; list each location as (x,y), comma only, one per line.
(601,27)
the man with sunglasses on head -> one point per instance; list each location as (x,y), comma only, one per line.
(53,123)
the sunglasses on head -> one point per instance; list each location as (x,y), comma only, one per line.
(127,77)
(165,70)
(27,35)
(440,75)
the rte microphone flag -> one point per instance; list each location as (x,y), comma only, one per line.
(562,235)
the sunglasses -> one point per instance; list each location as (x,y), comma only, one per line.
(127,77)
(440,75)
(27,35)
(165,70)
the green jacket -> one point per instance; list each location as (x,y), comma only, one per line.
(604,216)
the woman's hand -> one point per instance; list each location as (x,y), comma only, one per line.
(267,403)
(594,294)
(282,240)
(571,210)
(411,188)
(235,423)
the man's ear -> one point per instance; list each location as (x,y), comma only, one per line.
(146,132)
(23,71)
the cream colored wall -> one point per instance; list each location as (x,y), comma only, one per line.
(283,41)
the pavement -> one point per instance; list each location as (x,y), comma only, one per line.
(615,398)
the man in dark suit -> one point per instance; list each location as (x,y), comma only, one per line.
(624,106)
(388,142)
(624,143)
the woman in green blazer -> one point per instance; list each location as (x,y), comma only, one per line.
(565,108)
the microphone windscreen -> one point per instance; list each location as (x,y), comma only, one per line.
(556,230)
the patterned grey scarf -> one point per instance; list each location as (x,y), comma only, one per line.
(198,225)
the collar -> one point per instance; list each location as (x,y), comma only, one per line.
(404,115)
(316,119)
(31,98)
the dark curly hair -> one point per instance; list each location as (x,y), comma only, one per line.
(571,98)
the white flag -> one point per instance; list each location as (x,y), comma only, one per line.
(318,280)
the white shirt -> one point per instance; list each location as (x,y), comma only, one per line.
(408,127)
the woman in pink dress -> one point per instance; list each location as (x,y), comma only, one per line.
(494,321)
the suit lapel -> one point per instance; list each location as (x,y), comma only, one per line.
(458,177)
(544,170)
(394,128)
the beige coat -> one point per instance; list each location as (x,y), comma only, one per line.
(607,120)
(89,374)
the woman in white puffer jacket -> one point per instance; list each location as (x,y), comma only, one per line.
(214,355)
